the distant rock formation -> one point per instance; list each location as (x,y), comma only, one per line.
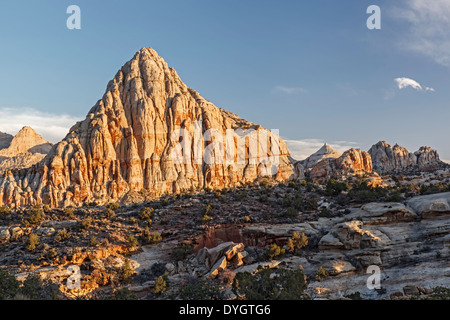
(126,143)
(387,159)
(351,162)
(326,152)
(23,150)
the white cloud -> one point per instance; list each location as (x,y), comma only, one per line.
(428,23)
(403,83)
(301,149)
(289,90)
(52,127)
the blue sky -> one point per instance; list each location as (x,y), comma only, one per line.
(311,68)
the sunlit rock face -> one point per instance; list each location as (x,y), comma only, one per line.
(23,150)
(149,132)
(386,158)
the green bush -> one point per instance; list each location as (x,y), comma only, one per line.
(147,214)
(321,274)
(274,251)
(33,242)
(290,213)
(200,289)
(9,286)
(113,206)
(86,224)
(123,294)
(4,211)
(334,188)
(270,284)
(182,251)
(33,288)
(132,242)
(297,242)
(62,235)
(160,285)
(151,237)
(34,216)
(363,192)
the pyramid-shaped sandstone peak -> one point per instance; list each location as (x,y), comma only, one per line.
(150,133)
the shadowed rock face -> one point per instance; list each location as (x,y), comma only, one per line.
(126,143)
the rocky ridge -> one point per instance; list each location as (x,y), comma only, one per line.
(387,159)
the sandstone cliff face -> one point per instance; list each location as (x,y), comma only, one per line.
(387,158)
(23,150)
(129,138)
(353,161)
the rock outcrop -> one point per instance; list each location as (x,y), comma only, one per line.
(149,132)
(326,152)
(387,159)
(23,150)
(351,162)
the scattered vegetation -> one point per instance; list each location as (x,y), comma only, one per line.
(274,251)
(270,284)
(297,242)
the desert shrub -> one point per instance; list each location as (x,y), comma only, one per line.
(321,273)
(113,206)
(205,219)
(274,251)
(182,251)
(9,286)
(86,224)
(4,211)
(334,188)
(354,296)
(325,213)
(149,237)
(290,213)
(311,203)
(132,242)
(123,294)
(363,192)
(127,271)
(297,242)
(69,213)
(270,284)
(110,214)
(93,242)
(34,216)
(160,285)
(440,293)
(395,197)
(34,288)
(32,242)
(62,235)
(200,289)
(147,214)
(241,195)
